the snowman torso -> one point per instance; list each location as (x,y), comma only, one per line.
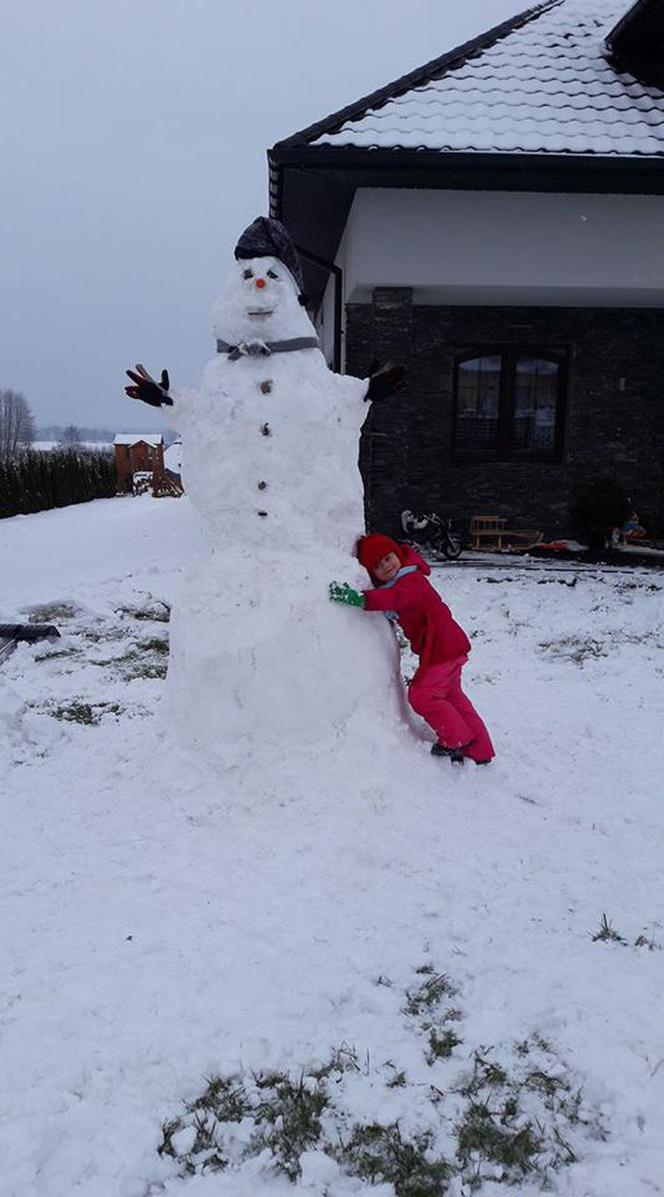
(270,443)
(270,447)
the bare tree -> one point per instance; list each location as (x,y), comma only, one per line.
(71,435)
(30,428)
(17,423)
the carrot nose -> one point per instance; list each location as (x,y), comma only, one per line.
(260,282)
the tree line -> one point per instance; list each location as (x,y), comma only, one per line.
(74,433)
(36,481)
(33,481)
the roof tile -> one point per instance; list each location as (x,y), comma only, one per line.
(544,87)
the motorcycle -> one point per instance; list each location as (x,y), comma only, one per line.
(431,532)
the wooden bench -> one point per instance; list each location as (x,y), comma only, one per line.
(489,528)
(488,532)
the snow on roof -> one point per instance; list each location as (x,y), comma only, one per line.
(543,84)
(132,438)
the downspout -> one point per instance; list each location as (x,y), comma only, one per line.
(337,272)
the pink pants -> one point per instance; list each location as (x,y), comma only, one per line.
(437,696)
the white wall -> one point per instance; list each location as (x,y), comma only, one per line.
(470,247)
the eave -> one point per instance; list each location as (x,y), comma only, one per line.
(312,188)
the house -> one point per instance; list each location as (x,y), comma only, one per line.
(495,220)
(137,452)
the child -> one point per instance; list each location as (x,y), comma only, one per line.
(402,592)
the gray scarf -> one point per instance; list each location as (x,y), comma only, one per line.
(265,348)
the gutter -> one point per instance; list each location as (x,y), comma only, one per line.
(489,166)
(276,205)
(337,273)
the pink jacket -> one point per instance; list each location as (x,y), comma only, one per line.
(426,621)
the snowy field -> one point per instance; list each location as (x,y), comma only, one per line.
(455,977)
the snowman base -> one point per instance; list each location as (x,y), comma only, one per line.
(261,657)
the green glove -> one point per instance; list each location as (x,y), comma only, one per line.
(345,594)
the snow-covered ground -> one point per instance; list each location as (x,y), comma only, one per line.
(166,921)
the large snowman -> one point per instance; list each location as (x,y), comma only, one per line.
(270,451)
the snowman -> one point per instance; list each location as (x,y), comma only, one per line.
(270,450)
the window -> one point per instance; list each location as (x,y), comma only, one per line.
(478,406)
(508,404)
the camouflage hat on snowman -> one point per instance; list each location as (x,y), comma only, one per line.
(266,237)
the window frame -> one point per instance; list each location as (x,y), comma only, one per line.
(510,353)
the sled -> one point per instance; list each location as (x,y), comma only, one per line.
(520,540)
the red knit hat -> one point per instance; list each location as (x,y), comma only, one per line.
(371,549)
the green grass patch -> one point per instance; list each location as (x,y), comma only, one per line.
(86,713)
(576,649)
(155,610)
(52,612)
(288,1119)
(607,933)
(429,995)
(510,1120)
(483,1135)
(155,644)
(382,1155)
(398,1078)
(649,942)
(441,1044)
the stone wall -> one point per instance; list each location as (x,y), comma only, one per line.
(614,418)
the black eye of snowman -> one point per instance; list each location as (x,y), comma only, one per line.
(271,274)
(248,274)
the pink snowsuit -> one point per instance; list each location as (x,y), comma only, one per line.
(442,646)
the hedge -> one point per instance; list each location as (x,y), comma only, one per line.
(37,481)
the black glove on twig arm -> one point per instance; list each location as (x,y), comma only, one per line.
(384,381)
(147,389)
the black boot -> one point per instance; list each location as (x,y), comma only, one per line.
(455,754)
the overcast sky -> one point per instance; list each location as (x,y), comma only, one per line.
(132,154)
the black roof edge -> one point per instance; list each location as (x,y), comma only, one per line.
(435,67)
(326,156)
(455,169)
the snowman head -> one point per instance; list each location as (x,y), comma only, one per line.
(260,303)
(262,300)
